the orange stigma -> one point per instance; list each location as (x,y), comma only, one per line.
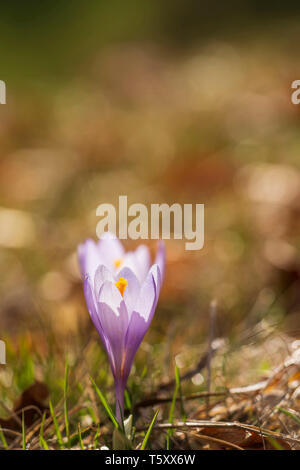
(121,285)
(118,262)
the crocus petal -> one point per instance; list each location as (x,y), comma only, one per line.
(113,316)
(92,308)
(142,254)
(147,296)
(132,289)
(140,321)
(129,261)
(138,261)
(155,271)
(102,274)
(89,258)
(110,249)
(110,295)
(136,331)
(160,259)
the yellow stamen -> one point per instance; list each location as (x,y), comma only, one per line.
(121,285)
(118,262)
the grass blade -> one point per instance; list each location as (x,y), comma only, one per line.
(290,414)
(80,438)
(57,431)
(275,444)
(3,440)
(127,401)
(43,443)
(172,408)
(96,438)
(106,405)
(146,438)
(23,432)
(178,383)
(65,399)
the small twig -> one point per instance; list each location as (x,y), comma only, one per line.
(156,400)
(226,425)
(13,415)
(248,390)
(10,431)
(286,429)
(212,321)
(259,423)
(216,440)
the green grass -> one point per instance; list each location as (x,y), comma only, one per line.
(172,408)
(290,415)
(23,432)
(82,417)
(65,399)
(148,433)
(80,437)
(107,408)
(56,427)
(43,443)
(3,440)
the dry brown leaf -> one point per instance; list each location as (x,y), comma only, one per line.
(31,402)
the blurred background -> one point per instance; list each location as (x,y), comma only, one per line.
(170,101)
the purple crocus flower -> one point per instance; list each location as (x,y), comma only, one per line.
(121,291)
